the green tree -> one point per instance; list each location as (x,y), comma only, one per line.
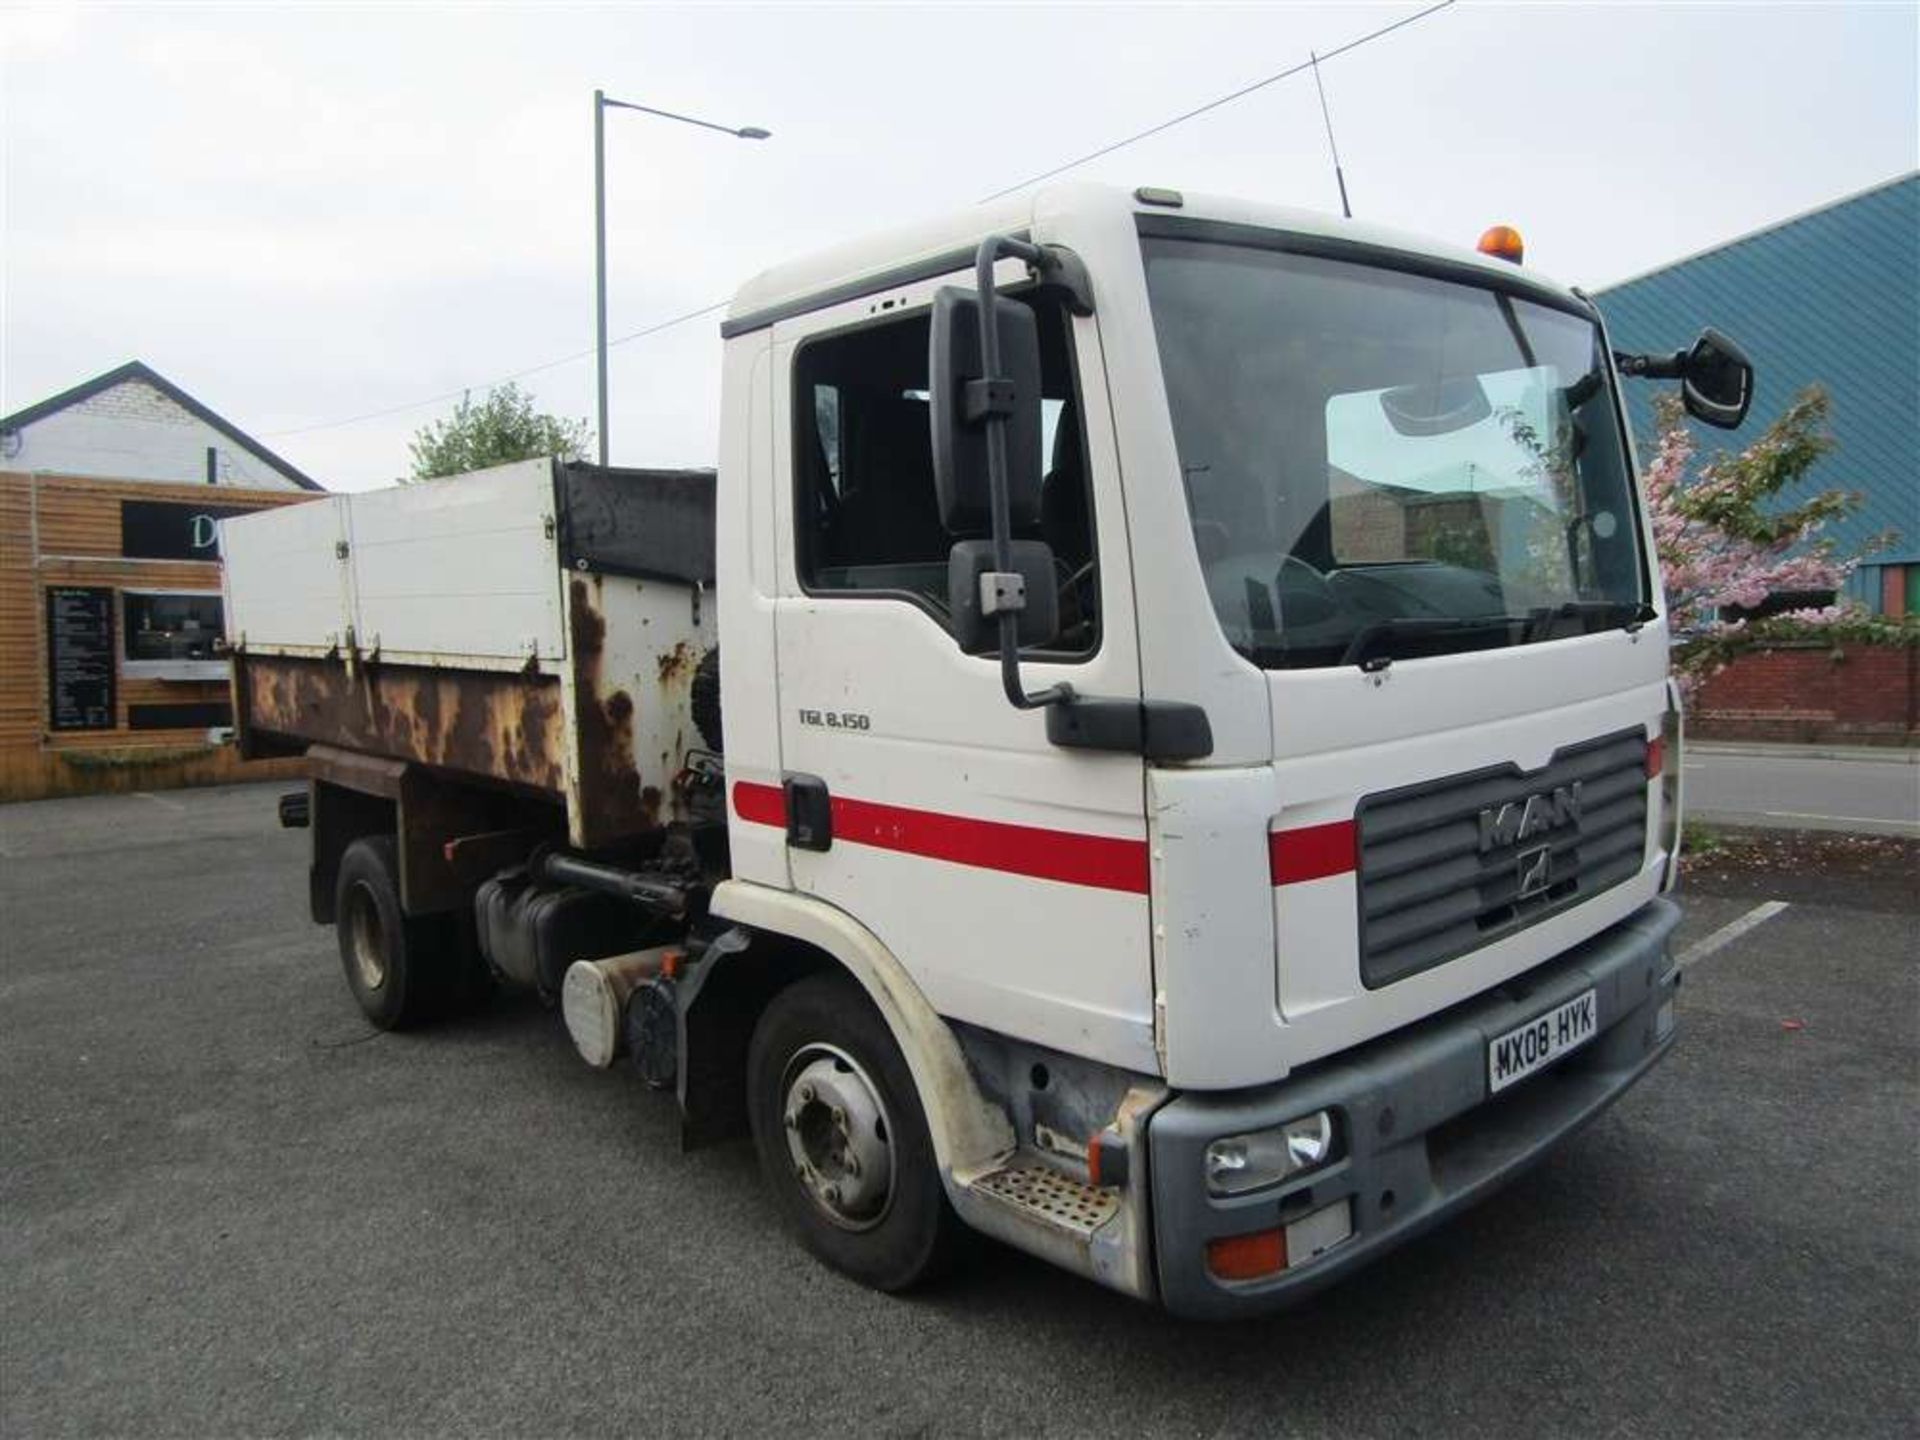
(502,428)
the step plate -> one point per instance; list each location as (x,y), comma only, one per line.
(1053,1199)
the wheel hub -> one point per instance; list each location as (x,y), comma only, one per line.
(369,940)
(838,1136)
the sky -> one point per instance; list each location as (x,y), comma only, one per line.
(304,214)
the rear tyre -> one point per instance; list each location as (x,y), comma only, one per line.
(705,699)
(842,1138)
(402,970)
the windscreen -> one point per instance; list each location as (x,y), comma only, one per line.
(1381,464)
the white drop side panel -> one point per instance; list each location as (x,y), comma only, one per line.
(461,567)
(286,586)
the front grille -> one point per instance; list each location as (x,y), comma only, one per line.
(1441,862)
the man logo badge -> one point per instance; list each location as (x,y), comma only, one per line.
(1519,820)
(1536,871)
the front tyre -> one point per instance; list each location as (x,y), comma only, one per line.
(842,1138)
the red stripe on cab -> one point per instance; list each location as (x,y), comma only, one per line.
(1312,852)
(1102,862)
(761,804)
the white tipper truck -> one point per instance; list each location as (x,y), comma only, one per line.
(1155,744)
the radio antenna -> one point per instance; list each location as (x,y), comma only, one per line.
(1326,116)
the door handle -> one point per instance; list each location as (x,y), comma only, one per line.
(809,812)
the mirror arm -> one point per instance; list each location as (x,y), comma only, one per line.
(987,400)
(1064,273)
(1651,367)
(1160,731)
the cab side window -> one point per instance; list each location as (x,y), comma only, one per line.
(867,513)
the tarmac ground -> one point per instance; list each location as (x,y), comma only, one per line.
(229,1208)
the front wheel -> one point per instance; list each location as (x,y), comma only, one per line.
(842,1138)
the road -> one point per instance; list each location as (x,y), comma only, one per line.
(228,1208)
(1863,791)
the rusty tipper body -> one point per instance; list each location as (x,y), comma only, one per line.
(513,630)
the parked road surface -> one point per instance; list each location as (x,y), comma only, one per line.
(1787,787)
(227,1208)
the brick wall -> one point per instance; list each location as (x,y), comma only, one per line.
(1814,693)
(135,400)
(131,431)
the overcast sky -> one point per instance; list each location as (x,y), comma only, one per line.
(303,214)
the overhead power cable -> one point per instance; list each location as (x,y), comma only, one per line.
(656,327)
(1227,99)
(640,334)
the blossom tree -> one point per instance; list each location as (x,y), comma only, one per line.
(1726,541)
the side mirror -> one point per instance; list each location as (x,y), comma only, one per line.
(970,562)
(960,405)
(983,370)
(1716,381)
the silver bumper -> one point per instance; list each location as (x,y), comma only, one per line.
(1421,1137)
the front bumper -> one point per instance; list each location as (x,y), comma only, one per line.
(1420,1137)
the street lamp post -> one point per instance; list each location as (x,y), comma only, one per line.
(601,104)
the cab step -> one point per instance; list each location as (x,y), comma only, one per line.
(1041,1194)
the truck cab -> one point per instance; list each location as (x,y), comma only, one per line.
(1362,508)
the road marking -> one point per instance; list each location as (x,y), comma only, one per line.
(1728,933)
(160,800)
(1849,819)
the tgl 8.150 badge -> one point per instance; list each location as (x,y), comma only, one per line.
(836,719)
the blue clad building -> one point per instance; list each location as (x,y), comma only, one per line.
(1831,297)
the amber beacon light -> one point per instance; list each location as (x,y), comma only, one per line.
(1503,242)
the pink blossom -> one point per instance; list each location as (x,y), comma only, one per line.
(1704,566)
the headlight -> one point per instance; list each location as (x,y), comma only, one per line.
(1237,1164)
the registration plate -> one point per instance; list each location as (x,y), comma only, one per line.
(1542,1040)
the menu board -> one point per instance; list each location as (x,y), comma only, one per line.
(80,657)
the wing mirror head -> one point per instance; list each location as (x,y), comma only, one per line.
(967,602)
(960,403)
(1716,381)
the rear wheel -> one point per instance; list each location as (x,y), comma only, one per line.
(402,970)
(842,1139)
(705,699)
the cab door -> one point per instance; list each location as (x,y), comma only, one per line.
(1009,877)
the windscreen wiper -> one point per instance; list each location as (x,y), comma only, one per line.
(1595,615)
(1368,637)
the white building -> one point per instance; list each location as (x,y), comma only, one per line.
(134,424)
